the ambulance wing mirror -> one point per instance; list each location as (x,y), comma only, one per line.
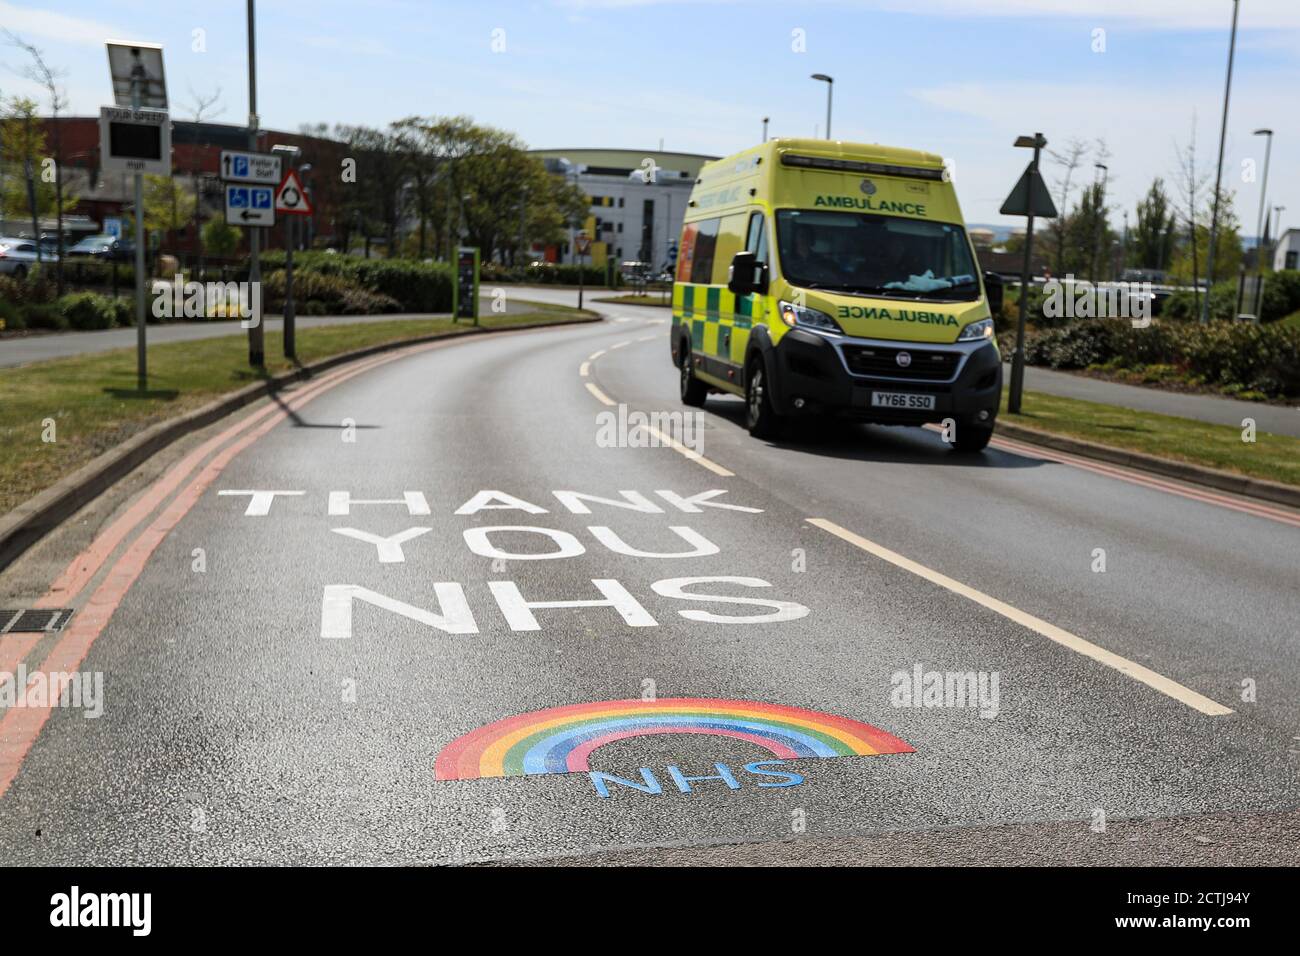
(993,290)
(746,274)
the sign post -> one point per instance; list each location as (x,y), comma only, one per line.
(137,140)
(465,291)
(290,199)
(1029,198)
(581,243)
(249,181)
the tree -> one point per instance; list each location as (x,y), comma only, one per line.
(1153,235)
(1068,159)
(1192,258)
(23,155)
(201,107)
(168,205)
(1190,183)
(221,238)
(41,73)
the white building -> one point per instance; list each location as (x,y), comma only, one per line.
(1286,254)
(638,199)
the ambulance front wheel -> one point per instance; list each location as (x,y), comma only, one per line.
(694,392)
(760,417)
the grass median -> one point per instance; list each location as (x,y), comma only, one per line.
(1272,457)
(94,404)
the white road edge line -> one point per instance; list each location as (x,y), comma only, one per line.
(690,453)
(584,369)
(1158,682)
(595,355)
(601,396)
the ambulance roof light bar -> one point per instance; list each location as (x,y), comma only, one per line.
(861,166)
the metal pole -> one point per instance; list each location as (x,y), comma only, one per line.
(290,229)
(830,86)
(765,129)
(1218,179)
(581,256)
(1259,227)
(141,348)
(1018,357)
(256,341)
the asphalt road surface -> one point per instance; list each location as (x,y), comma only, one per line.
(282,672)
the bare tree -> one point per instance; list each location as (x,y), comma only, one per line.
(1189,180)
(40,72)
(201,107)
(1068,159)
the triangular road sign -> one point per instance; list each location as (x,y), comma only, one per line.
(290,197)
(1030,187)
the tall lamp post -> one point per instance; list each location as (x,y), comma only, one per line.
(1101,221)
(1259,222)
(1218,179)
(830,85)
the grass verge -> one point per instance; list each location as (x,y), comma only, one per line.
(94,403)
(1273,457)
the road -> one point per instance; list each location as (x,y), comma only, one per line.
(26,349)
(248,717)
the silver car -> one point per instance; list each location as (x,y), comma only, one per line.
(17,256)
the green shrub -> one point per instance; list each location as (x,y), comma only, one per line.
(317,293)
(1261,358)
(11,315)
(86,311)
(414,286)
(43,315)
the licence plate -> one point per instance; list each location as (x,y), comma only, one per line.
(902,400)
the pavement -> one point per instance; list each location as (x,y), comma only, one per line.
(281,673)
(1277,419)
(26,349)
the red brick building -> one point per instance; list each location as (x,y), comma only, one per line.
(196,155)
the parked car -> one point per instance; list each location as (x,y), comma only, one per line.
(17,256)
(103,248)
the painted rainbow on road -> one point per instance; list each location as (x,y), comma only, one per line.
(562,739)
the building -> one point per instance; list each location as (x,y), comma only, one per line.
(196,158)
(1286,254)
(638,199)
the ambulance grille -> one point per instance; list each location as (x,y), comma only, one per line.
(882,362)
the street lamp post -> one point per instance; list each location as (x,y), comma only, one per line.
(765,129)
(830,85)
(1218,179)
(256,340)
(1259,222)
(1101,221)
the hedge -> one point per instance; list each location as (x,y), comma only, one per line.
(415,286)
(317,293)
(1235,356)
(1281,298)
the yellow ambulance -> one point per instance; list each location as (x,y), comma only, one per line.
(823,278)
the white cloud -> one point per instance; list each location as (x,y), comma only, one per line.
(32,24)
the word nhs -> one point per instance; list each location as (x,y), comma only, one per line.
(649,783)
(179,299)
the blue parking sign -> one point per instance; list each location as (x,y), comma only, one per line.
(238,197)
(241,166)
(261,198)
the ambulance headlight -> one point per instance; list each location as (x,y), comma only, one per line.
(804,317)
(977,331)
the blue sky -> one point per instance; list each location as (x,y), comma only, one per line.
(958,77)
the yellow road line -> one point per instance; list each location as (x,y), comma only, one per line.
(1075,643)
(690,453)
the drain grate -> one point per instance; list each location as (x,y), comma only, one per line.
(34,620)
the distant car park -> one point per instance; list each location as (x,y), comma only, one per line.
(104,248)
(17,256)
